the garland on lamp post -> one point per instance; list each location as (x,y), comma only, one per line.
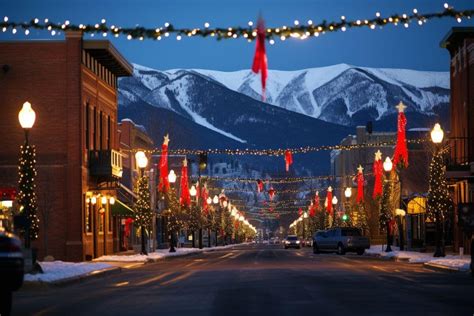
(143,212)
(27,196)
(439,200)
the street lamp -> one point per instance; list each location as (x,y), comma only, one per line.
(387,166)
(347,194)
(215,200)
(437,194)
(193,191)
(27,117)
(437,134)
(142,162)
(172,176)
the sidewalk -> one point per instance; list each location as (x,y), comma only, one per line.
(61,273)
(452,263)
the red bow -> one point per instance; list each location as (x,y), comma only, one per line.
(288,160)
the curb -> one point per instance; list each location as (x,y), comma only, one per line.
(28,285)
(438,267)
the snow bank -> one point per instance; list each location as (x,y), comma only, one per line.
(457,262)
(60,270)
(158,254)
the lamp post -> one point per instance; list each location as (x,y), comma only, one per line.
(305,216)
(171,180)
(193,193)
(387,166)
(348,194)
(215,201)
(27,117)
(142,162)
(438,195)
(334,203)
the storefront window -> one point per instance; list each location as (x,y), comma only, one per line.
(88,218)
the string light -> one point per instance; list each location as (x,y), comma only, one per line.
(275,152)
(282,32)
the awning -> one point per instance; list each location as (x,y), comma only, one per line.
(121,209)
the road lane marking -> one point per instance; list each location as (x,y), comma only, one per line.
(178,278)
(122,283)
(153,279)
(227,255)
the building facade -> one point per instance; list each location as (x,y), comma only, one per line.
(72,86)
(460,168)
(411,183)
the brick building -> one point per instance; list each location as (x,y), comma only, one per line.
(72,86)
(460,169)
(414,181)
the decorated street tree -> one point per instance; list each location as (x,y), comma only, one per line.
(27,195)
(362,222)
(174,215)
(386,212)
(143,212)
(227,225)
(439,200)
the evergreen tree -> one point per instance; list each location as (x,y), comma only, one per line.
(143,212)
(362,222)
(27,196)
(386,212)
(439,200)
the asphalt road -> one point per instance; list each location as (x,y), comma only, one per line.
(260,280)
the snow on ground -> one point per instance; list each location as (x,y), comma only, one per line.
(462,264)
(157,255)
(60,270)
(459,262)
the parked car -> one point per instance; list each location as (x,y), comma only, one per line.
(292,241)
(308,242)
(11,269)
(341,240)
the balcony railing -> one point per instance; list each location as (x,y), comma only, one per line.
(461,153)
(105,164)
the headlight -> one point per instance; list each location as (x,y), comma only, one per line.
(297,241)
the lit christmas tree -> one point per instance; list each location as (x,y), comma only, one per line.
(362,222)
(386,213)
(27,195)
(439,200)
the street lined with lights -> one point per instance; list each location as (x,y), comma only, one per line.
(259,279)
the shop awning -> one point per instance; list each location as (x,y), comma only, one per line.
(121,209)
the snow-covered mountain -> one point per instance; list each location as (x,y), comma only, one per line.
(340,94)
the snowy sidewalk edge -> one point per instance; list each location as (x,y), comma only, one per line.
(73,279)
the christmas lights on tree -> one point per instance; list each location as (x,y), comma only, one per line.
(27,196)
(143,212)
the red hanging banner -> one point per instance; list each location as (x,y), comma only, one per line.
(378,173)
(185,198)
(400,157)
(163,183)
(288,160)
(260,58)
(360,185)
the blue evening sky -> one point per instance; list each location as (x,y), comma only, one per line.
(394,47)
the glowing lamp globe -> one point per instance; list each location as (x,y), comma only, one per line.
(142,160)
(437,134)
(172,176)
(93,200)
(387,164)
(348,192)
(400,212)
(193,191)
(334,200)
(111,200)
(305,215)
(215,200)
(209,200)
(27,116)
(103,200)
